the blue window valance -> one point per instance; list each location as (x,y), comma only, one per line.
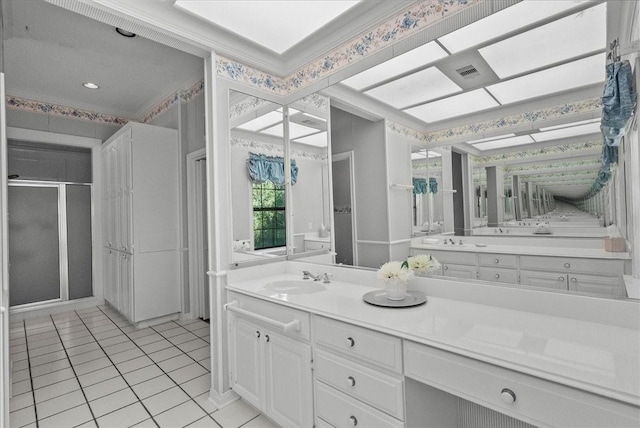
(618,102)
(419,185)
(263,168)
(433,185)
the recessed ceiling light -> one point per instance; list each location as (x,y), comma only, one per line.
(90,85)
(125,33)
(570,124)
(505,142)
(571,131)
(498,137)
(457,105)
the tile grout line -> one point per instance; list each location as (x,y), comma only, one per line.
(64,348)
(118,370)
(167,373)
(33,391)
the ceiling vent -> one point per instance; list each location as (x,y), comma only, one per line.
(468,72)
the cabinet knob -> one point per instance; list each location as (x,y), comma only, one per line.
(266,337)
(257,334)
(508,396)
(497,276)
(561,278)
(496,261)
(574,279)
(353,421)
(446,267)
(350,342)
(351,381)
(567,265)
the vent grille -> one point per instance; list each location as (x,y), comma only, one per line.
(468,72)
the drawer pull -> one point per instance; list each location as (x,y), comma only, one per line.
(508,396)
(574,280)
(351,381)
(567,265)
(267,338)
(287,328)
(353,421)
(561,278)
(496,261)
(350,342)
(257,334)
(446,267)
(497,276)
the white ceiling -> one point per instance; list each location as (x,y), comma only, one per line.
(50,52)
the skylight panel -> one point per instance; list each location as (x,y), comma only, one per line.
(567,125)
(317,140)
(415,58)
(262,122)
(503,22)
(295,130)
(422,154)
(456,105)
(575,35)
(431,154)
(572,131)
(276,25)
(418,87)
(505,142)
(586,71)
(499,137)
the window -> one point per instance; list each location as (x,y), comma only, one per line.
(268,215)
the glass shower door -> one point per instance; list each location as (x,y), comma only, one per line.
(34,244)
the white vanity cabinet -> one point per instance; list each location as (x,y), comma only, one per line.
(140,203)
(270,359)
(457,265)
(516,395)
(358,376)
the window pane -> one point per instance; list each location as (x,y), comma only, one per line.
(280,199)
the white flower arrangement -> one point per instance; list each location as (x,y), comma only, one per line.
(395,270)
(423,263)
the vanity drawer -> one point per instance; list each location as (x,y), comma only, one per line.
(377,389)
(498,275)
(537,401)
(367,345)
(340,410)
(316,245)
(566,264)
(457,257)
(500,260)
(272,311)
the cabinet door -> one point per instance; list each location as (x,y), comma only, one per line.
(509,276)
(108,277)
(459,271)
(288,381)
(246,364)
(544,279)
(609,285)
(126,282)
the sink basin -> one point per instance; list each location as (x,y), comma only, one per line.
(295,287)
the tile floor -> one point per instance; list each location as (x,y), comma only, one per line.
(91,368)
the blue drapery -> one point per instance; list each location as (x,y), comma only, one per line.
(419,186)
(433,185)
(618,103)
(267,168)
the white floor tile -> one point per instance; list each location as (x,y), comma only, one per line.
(78,341)
(151,338)
(187,373)
(235,414)
(55,390)
(175,363)
(120,347)
(60,404)
(153,386)
(165,354)
(141,333)
(166,326)
(149,423)
(192,345)
(106,387)
(180,416)
(165,400)
(98,376)
(49,367)
(114,340)
(53,377)
(21,387)
(176,331)
(19,365)
(203,401)
(186,337)
(134,364)
(156,346)
(21,375)
(21,401)
(47,358)
(22,417)
(128,355)
(69,418)
(200,354)
(138,376)
(86,357)
(260,422)
(206,363)
(112,402)
(205,422)
(125,417)
(88,347)
(197,386)
(92,366)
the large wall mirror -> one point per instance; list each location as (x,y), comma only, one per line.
(517,125)
(279,177)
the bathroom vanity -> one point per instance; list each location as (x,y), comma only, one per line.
(308,353)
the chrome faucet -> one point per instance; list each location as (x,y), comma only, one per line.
(306,275)
(327,278)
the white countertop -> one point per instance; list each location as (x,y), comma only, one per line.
(526,250)
(599,358)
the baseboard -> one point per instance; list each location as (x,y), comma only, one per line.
(224,399)
(54,308)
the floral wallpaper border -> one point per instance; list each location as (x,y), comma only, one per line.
(171,100)
(33,106)
(546,151)
(412,20)
(274,149)
(560,165)
(246,106)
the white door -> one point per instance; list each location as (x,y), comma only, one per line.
(246,362)
(4,268)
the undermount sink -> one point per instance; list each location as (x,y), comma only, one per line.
(295,287)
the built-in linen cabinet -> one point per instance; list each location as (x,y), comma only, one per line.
(358,376)
(270,359)
(140,230)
